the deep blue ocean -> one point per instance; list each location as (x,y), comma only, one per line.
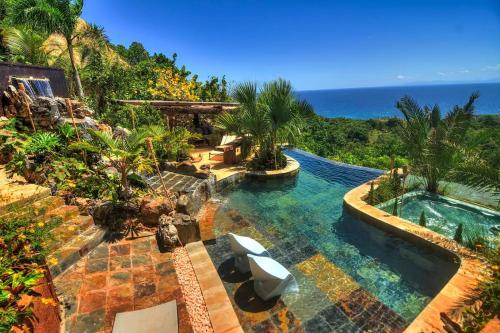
(365,103)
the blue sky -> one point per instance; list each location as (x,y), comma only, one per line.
(316,44)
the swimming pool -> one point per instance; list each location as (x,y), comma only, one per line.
(443,215)
(352,276)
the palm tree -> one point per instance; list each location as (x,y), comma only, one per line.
(25,45)
(433,143)
(125,154)
(52,16)
(266,119)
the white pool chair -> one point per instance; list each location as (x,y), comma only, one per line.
(241,246)
(271,279)
(225,142)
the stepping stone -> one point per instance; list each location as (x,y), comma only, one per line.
(160,318)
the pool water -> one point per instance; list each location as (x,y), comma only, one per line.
(352,276)
(443,215)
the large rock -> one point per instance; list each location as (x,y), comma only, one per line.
(152,208)
(185,205)
(167,232)
(187,228)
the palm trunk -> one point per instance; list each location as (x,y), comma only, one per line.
(76,76)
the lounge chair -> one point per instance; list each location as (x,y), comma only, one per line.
(241,246)
(224,143)
(160,318)
(271,279)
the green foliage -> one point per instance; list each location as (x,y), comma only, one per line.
(395,206)
(125,154)
(422,221)
(42,143)
(144,115)
(369,143)
(23,244)
(388,188)
(171,144)
(458,233)
(267,120)
(432,142)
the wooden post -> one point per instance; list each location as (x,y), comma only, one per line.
(70,111)
(149,145)
(69,107)
(132,117)
(25,104)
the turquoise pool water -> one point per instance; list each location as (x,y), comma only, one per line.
(443,215)
(304,216)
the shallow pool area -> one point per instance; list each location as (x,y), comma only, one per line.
(352,276)
(443,215)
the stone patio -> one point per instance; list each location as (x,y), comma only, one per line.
(116,277)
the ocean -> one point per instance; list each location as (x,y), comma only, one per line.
(366,103)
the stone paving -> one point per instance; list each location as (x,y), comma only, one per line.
(116,277)
(328,300)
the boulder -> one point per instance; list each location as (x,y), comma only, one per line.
(152,208)
(120,132)
(187,227)
(167,232)
(185,205)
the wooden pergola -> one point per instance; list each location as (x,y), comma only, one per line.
(173,108)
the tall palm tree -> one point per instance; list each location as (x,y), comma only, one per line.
(266,119)
(433,143)
(52,16)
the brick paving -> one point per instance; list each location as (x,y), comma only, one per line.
(116,277)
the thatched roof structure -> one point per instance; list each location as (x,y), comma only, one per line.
(185,107)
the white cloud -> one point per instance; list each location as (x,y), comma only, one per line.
(441,74)
(464,71)
(401,77)
(492,68)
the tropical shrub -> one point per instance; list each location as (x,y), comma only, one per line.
(267,120)
(171,144)
(126,154)
(143,115)
(432,142)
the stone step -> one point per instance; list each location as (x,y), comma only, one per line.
(75,249)
(16,197)
(65,212)
(34,209)
(71,229)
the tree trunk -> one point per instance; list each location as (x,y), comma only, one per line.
(76,76)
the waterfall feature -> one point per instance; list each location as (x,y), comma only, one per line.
(35,87)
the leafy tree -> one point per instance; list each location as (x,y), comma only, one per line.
(136,53)
(171,85)
(52,16)
(171,144)
(432,142)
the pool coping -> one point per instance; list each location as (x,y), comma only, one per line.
(471,271)
(220,310)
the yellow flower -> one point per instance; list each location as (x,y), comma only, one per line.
(22,236)
(53,261)
(41,224)
(495,267)
(48,301)
(71,228)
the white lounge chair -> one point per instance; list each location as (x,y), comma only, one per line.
(160,318)
(219,150)
(241,246)
(271,279)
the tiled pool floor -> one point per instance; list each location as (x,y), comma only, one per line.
(328,300)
